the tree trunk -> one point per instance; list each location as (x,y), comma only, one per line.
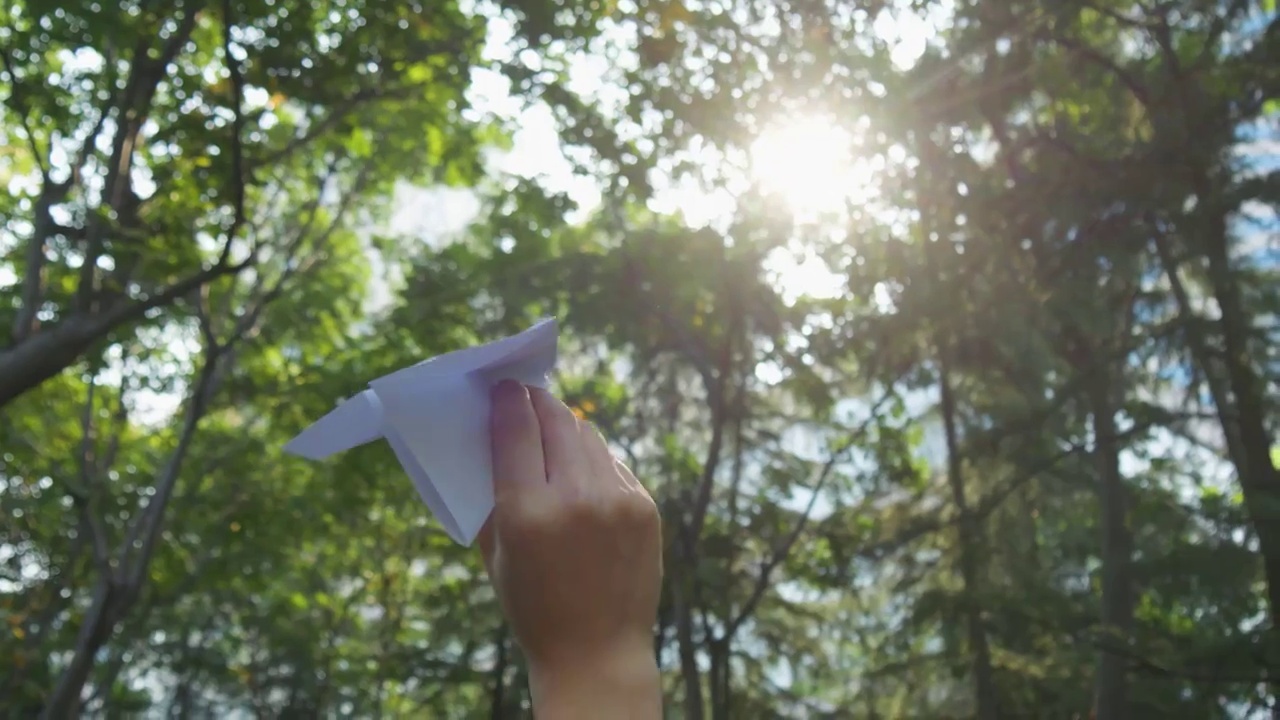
(983,677)
(1111,698)
(117,590)
(688,651)
(498,677)
(1257,473)
(1238,402)
(98,626)
(718,679)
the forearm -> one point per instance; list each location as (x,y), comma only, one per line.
(625,688)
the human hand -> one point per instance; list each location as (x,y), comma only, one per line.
(573,549)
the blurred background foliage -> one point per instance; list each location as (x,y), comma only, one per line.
(944,334)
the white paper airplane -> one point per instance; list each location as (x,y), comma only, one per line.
(435,416)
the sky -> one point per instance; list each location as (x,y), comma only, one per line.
(800,159)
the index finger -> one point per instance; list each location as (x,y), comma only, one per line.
(516,442)
(561,440)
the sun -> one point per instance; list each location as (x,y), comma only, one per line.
(809,163)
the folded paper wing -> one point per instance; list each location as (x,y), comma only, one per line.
(435,417)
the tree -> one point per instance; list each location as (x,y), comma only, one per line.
(194,165)
(159,135)
(990,436)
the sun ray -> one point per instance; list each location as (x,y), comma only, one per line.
(809,164)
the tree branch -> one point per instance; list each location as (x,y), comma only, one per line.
(144,79)
(13,102)
(821,475)
(237,131)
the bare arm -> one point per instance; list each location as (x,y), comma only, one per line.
(626,687)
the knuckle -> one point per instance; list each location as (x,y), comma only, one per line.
(635,509)
(579,509)
(527,521)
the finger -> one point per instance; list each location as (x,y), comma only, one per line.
(629,477)
(597,451)
(561,441)
(516,436)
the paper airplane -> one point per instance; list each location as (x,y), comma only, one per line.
(435,416)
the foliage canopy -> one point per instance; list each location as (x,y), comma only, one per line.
(992,436)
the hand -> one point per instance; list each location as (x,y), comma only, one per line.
(573,549)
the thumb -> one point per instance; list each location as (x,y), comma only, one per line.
(516,442)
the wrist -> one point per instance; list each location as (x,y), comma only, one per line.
(624,685)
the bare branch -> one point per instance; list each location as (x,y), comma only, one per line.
(314,130)
(83,498)
(13,102)
(820,477)
(141,539)
(144,79)
(237,130)
(47,353)
(1096,57)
